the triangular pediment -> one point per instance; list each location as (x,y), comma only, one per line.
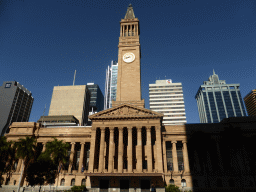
(126,111)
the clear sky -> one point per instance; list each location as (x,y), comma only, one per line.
(42,43)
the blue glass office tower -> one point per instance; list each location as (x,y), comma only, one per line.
(217,100)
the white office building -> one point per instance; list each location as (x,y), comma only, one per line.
(110,84)
(167,98)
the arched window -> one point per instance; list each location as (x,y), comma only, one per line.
(183,183)
(171,182)
(14,182)
(83,182)
(73,182)
(62,182)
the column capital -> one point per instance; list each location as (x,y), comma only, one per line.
(73,143)
(174,141)
(157,128)
(111,130)
(129,128)
(148,128)
(82,143)
(139,128)
(102,128)
(184,141)
(120,129)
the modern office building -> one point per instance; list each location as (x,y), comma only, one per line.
(71,100)
(96,99)
(110,84)
(217,100)
(15,104)
(167,98)
(250,103)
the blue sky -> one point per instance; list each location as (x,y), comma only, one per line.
(42,43)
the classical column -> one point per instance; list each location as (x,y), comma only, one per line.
(92,150)
(111,150)
(159,157)
(19,165)
(185,156)
(164,155)
(174,156)
(120,150)
(71,158)
(81,159)
(129,149)
(139,150)
(149,151)
(102,145)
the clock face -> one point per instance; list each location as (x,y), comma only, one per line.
(128,57)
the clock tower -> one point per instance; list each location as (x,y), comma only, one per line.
(128,79)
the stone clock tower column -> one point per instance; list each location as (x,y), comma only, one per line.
(129,80)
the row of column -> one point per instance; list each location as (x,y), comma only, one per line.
(71,158)
(175,157)
(129,29)
(139,166)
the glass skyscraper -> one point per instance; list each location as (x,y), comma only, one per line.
(110,84)
(217,100)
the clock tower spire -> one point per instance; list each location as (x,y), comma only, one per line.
(128,79)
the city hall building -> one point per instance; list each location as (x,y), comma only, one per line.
(127,148)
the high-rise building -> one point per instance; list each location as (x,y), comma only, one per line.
(250,103)
(71,100)
(217,100)
(110,84)
(96,99)
(15,104)
(167,98)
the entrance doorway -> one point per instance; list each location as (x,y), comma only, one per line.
(124,185)
(145,185)
(104,185)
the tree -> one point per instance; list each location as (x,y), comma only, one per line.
(41,171)
(172,188)
(7,158)
(57,150)
(26,149)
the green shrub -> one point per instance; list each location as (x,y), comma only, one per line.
(78,188)
(172,188)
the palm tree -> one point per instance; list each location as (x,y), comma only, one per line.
(26,149)
(58,151)
(7,157)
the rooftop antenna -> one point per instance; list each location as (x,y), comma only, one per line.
(74,78)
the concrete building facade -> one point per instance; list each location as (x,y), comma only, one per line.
(15,104)
(250,103)
(71,100)
(167,98)
(110,84)
(217,100)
